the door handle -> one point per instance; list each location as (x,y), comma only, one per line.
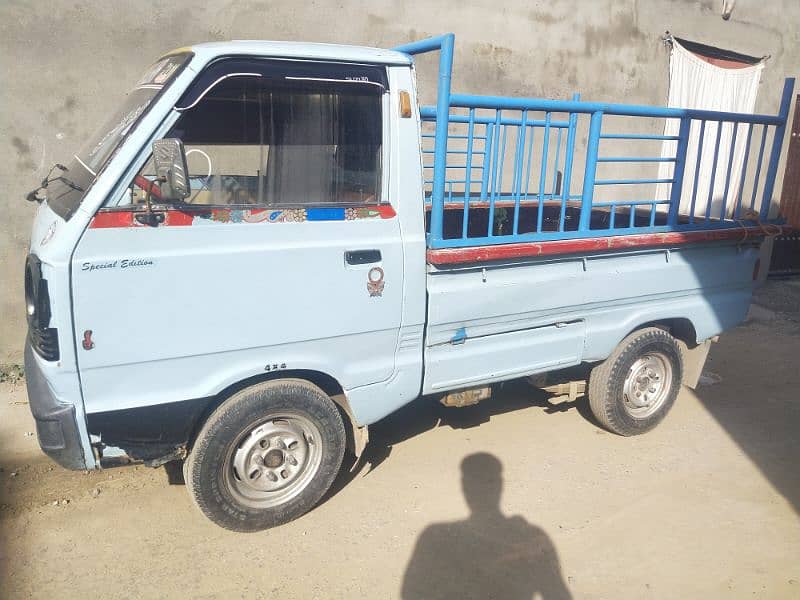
(362,257)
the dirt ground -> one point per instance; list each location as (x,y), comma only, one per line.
(508,499)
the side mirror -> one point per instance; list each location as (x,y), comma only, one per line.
(169,160)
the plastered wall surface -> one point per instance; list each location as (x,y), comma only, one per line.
(65,66)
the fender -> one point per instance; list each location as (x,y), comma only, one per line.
(159,433)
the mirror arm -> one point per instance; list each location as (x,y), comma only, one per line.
(150,217)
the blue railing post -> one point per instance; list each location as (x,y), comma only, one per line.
(486,167)
(777,143)
(442,125)
(543,172)
(468,176)
(570,153)
(758,167)
(677,174)
(592,146)
(493,191)
(444,43)
(519,159)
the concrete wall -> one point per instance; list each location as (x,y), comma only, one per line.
(65,65)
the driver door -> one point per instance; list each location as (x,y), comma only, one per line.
(287,254)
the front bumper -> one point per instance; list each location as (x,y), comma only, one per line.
(56,426)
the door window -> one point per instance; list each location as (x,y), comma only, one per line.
(280,142)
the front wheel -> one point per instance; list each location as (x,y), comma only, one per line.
(634,388)
(266,455)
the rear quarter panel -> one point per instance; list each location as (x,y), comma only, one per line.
(598,299)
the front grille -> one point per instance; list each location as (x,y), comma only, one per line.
(43,338)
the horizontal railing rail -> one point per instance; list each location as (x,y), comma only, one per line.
(625,110)
(507,170)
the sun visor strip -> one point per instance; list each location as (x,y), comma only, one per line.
(279,71)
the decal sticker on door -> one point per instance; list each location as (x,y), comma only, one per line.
(375,281)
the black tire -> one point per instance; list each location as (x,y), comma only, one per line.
(276,411)
(614,405)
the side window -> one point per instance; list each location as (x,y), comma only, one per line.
(280,142)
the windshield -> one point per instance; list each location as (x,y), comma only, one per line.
(64,195)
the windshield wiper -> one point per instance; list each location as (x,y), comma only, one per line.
(68,182)
(33,195)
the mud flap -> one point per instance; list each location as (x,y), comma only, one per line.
(694,359)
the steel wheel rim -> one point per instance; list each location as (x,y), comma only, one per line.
(647,385)
(274,461)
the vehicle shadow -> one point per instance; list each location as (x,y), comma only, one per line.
(756,398)
(487,555)
(426,413)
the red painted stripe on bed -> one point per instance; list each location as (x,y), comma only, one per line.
(473,254)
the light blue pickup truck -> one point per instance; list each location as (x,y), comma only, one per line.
(271,246)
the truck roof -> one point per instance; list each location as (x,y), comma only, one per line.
(361,54)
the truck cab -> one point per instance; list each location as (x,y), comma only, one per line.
(254,259)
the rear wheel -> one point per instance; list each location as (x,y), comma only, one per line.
(266,455)
(634,388)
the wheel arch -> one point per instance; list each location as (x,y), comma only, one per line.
(680,328)
(357,435)
(694,352)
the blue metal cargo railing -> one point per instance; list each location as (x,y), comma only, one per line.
(479,142)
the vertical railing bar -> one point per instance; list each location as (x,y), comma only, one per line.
(678,171)
(468,177)
(710,199)
(493,191)
(775,154)
(569,155)
(487,156)
(556,164)
(514,171)
(738,211)
(518,159)
(632,216)
(758,166)
(502,163)
(728,173)
(595,127)
(697,169)
(501,171)
(543,171)
(530,160)
(652,215)
(611,220)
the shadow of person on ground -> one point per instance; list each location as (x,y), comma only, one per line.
(487,555)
